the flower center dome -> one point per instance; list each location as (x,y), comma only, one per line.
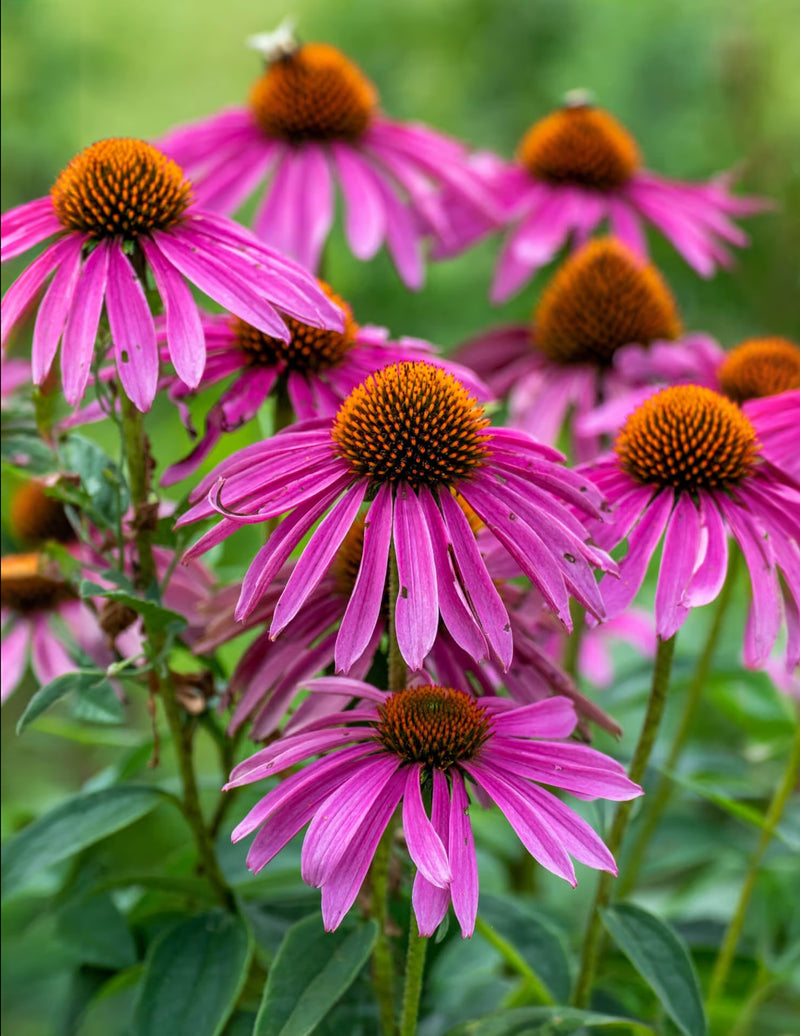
(36,517)
(581,145)
(120,188)
(411,422)
(601,298)
(760,367)
(26,588)
(310,349)
(313,93)
(687,438)
(437,726)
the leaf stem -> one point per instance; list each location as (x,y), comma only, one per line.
(655,709)
(138,457)
(662,792)
(719,975)
(415,968)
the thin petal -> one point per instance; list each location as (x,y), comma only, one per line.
(463,861)
(424,845)
(132,330)
(77,347)
(417,605)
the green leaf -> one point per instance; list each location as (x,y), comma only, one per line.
(663,961)
(193,977)
(103,494)
(98,704)
(156,616)
(311,971)
(545,1021)
(96,932)
(80,821)
(27,455)
(68,683)
(517,931)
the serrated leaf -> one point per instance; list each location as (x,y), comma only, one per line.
(68,683)
(73,825)
(517,927)
(193,977)
(96,932)
(545,1021)
(311,971)
(663,961)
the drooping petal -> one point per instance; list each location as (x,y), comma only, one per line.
(364,215)
(132,330)
(24,289)
(77,347)
(14,655)
(463,861)
(429,901)
(52,315)
(682,547)
(417,605)
(425,847)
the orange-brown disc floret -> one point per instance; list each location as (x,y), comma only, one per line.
(309,348)
(314,93)
(601,298)
(26,586)
(120,187)
(688,438)
(411,422)
(436,726)
(581,145)
(760,367)
(36,517)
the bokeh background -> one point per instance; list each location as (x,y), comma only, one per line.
(704,86)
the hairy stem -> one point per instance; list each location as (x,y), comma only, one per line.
(161,683)
(592,942)
(719,975)
(662,792)
(415,969)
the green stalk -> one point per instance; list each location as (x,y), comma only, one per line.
(415,969)
(655,709)
(572,648)
(719,975)
(138,458)
(661,794)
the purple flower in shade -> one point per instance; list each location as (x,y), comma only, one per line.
(119,209)
(316,368)
(270,673)
(749,374)
(404,442)
(312,122)
(688,467)
(35,596)
(601,301)
(578,167)
(389,749)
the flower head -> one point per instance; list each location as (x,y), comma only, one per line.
(121,211)
(316,368)
(688,464)
(603,301)
(312,122)
(437,742)
(577,167)
(402,443)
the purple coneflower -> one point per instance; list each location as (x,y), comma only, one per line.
(404,441)
(688,465)
(391,747)
(121,208)
(312,122)
(603,301)
(316,368)
(271,673)
(577,167)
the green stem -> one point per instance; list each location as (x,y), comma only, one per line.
(655,709)
(533,989)
(719,975)
(138,457)
(572,648)
(415,968)
(661,794)
(382,963)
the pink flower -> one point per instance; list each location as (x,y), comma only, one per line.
(688,466)
(271,672)
(312,122)
(555,371)
(120,209)
(404,442)
(385,751)
(576,168)
(316,369)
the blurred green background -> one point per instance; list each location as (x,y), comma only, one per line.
(704,86)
